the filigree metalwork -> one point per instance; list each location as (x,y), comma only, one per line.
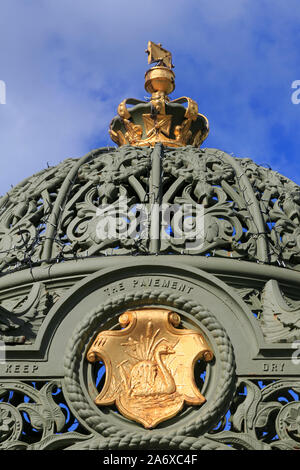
(264,416)
(277,314)
(250,213)
(33,416)
(104,184)
(21,320)
(24,215)
(280,317)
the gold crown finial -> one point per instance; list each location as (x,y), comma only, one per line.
(163,120)
(160,78)
(156,53)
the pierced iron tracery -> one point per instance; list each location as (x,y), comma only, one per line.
(250,212)
(264,415)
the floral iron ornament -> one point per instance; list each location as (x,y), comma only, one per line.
(159,120)
(149,365)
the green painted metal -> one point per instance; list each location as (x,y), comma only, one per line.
(155,192)
(60,283)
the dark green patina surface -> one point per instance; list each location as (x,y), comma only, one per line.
(61,283)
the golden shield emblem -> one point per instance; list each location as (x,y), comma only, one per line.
(149,365)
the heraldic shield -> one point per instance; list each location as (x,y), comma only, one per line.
(149,365)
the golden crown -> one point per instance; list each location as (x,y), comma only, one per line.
(159,120)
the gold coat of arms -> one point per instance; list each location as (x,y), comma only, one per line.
(149,365)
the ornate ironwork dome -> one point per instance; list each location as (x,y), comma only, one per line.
(149,294)
(251,213)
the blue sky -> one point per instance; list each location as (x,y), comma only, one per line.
(68,63)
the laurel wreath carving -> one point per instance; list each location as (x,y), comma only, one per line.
(206,417)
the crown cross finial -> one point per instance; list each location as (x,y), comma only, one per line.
(156,53)
(159,120)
